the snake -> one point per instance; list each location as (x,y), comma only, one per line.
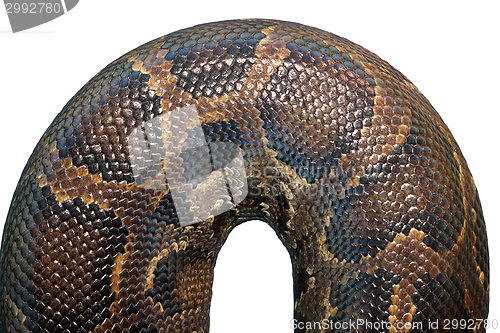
(127,199)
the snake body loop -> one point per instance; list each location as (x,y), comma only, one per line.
(120,213)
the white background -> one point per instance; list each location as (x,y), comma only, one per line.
(449,50)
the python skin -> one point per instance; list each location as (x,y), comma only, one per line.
(130,194)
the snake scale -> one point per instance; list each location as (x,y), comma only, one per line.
(127,199)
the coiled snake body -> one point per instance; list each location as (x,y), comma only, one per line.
(120,213)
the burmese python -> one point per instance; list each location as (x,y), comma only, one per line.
(127,199)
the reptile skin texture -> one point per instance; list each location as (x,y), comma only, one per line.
(126,201)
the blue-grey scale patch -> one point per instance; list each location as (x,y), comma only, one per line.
(218,156)
(348,237)
(366,298)
(224,131)
(306,164)
(166,212)
(214,66)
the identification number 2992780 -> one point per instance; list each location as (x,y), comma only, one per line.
(469,324)
(33,8)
